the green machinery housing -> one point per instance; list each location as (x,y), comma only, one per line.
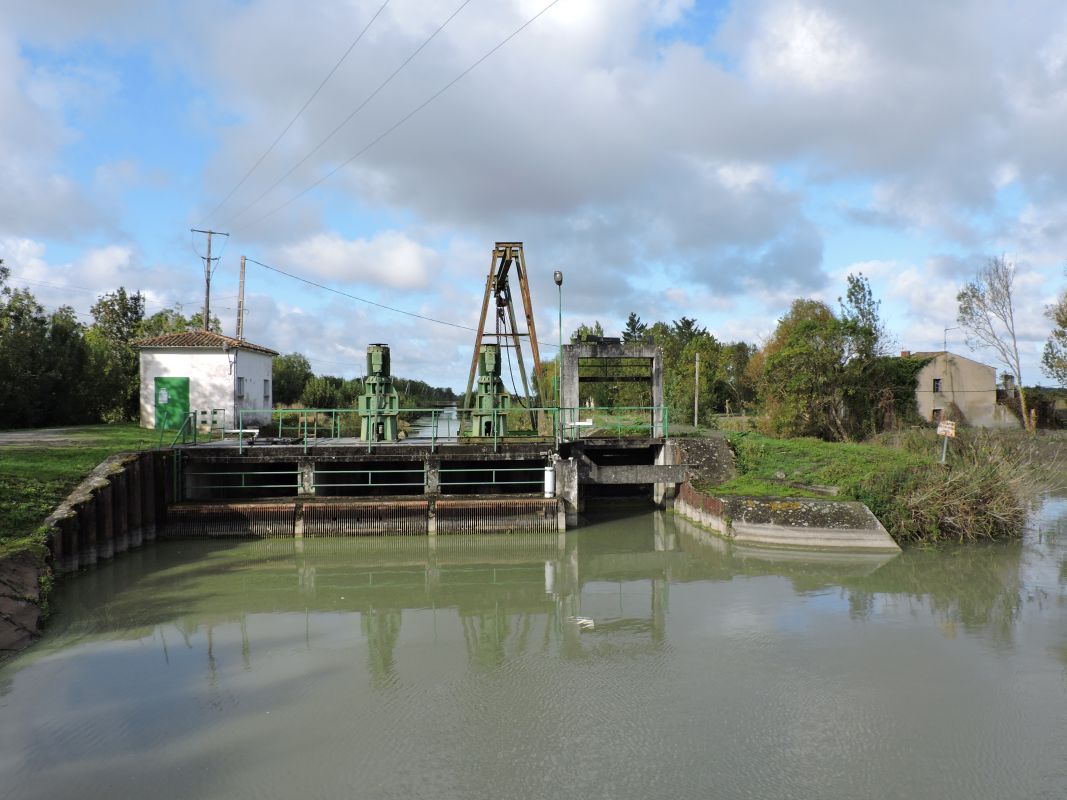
(491,403)
(379,404)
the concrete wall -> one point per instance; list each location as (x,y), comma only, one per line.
(572,353)
(968,384)
(787,522)
(257,370)
(212,378)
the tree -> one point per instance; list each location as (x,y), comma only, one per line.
(322,392)
(824,374)
(1054,357)
(118,317)
(987,313)
(802,381)
(290,375)
(860,312)
(586,331)
(635,330)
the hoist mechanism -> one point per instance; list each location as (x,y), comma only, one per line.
(507,259)
(379,405)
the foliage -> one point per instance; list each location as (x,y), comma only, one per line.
(584,332)
(291,374)
(1054,356)
(987,313)
(322,392)
(635,330)
(825,375)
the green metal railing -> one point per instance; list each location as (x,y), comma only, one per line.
(492,473)
(437,425)
(187,429)
(618,421)
(294,483)
(370,482)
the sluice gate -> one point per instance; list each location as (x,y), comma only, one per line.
(348,517)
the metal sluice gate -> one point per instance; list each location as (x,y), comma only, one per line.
(310,519)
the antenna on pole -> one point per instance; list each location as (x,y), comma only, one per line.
(208,269)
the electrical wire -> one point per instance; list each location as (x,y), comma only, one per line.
(360,299)
(357,109)
(342,293)
(400,121)
(296,116)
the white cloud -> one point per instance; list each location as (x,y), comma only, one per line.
(803,45)
(388,259)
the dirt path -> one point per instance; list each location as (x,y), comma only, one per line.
(49,436)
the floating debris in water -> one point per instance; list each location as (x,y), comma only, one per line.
(584,623)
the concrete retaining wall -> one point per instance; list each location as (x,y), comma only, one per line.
(120,505)
(787,522)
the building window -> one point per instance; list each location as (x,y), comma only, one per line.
(935,415)
(240,387)
(937,385)
(266,392)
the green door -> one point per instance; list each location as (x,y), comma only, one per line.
(172,402)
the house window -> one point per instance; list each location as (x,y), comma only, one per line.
(935,415)
(240,387)
(266,392)
(937,385)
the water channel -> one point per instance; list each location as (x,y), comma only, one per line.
(637,657)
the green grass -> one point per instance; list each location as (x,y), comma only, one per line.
(848,467)
(981,494)
(37,474)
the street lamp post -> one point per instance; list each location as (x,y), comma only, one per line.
(557,276)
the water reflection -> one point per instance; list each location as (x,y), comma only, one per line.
(460,667)
(511,594)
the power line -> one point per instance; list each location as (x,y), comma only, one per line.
(342,293)
(296,116)
(358,108)
(402,120)
(98,292)
(360,299)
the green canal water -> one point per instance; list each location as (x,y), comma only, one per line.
(635,658)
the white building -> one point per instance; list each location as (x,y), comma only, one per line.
(207,372)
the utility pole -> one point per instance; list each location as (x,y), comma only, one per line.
(207,274)
(696,391)
(241,304)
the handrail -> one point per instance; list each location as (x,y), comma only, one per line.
(190,417)
(565,420)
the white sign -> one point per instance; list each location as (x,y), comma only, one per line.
(946,428)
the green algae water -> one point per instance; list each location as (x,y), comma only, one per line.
(638,657)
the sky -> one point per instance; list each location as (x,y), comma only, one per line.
(673,158)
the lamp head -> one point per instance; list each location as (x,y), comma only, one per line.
(557,276)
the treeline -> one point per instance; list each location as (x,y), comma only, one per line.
(57,370)
(824,372)
(295,384)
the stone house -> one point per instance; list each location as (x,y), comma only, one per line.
(955,387)
(214,375)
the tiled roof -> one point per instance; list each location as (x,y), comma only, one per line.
(205,339)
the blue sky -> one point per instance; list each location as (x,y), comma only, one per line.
(712,160)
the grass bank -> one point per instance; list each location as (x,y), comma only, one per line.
(39,468)
(981,494)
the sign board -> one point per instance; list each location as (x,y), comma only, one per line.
(946,428)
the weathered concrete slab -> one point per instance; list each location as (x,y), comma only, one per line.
(788,522)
